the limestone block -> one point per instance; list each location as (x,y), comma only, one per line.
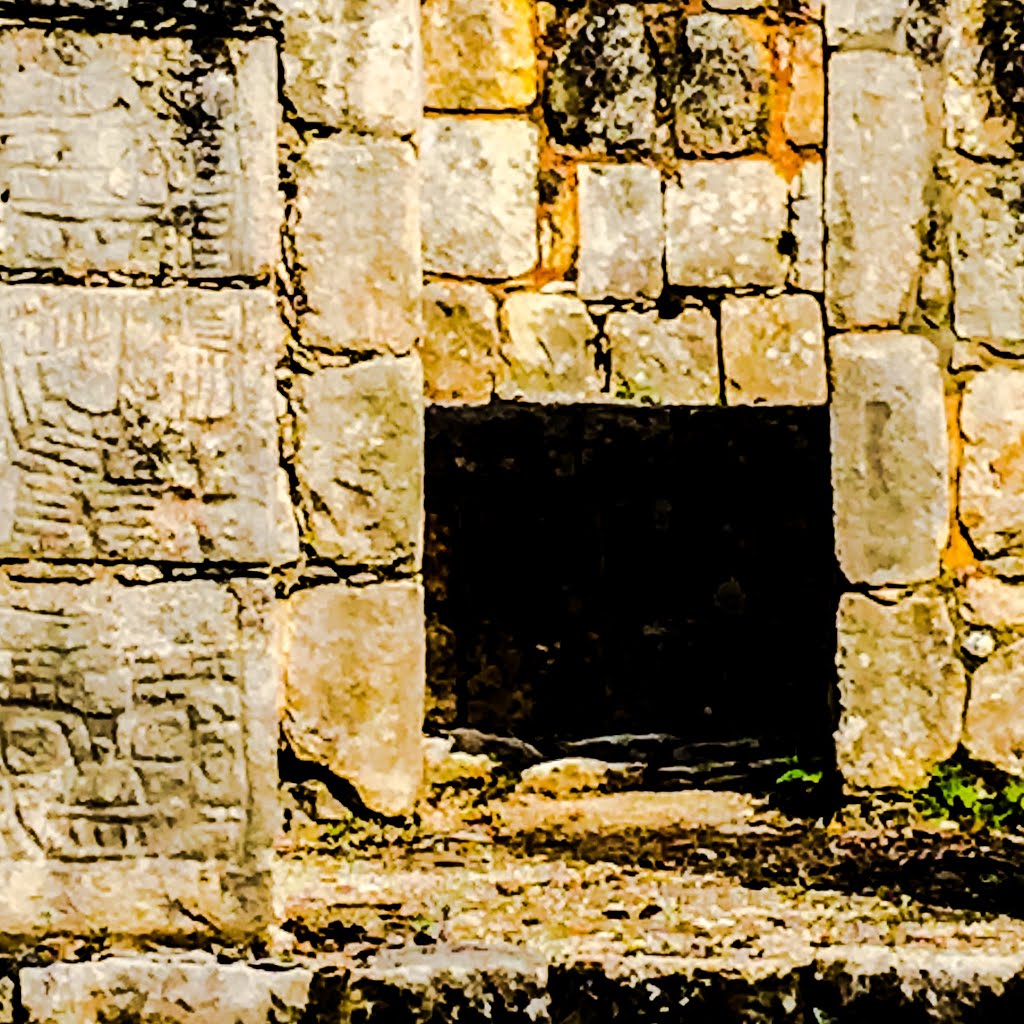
(807,225)
(994,725)
(174,991)
(879,162)
(141,424)
(726,220)
(146,156)
(622,231)
(359,461)
(847,18)
(353,63)
(549,350)
(722,97)
(479,54)
(901,689)
(992,474)
(602,91)
(914,26)
(355,682)
(987,246)
(889,458)
(460,342)
(139,737)
(569,776)
(479,194)
(664,361)
(773,351)
(803,52)
(357,243)
(993,602)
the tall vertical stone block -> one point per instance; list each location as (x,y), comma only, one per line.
(889,458)
(994,725)
(878,166)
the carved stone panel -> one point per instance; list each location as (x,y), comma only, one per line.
(140,424)
(144,156)
(137,744)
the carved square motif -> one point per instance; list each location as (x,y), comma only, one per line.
(145,156)
(140,425)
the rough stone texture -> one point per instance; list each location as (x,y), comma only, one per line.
(898,25)
(879,153)
(994,724)
(992,474)
(901,689)
(549,350)
(141,424)
(808,228)
(164,149)
(601,90)
(479,54)
(987,246)
(889,458)
(803,58)
(725,223)
(357,242)
(659,361)
(138,773)
(569,775)
(722,96)
(137,989)
(359,461)
(460,342)
(353,63)
(479,195)
(773,351)
(622,232)
(354,687)
(988,601)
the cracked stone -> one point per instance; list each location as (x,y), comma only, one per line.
(988,601)
(808,227)
(994,725)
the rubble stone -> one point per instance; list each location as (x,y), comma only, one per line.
(879,162)
(355,682)
(889,458)
(901,689)
(479,195)
(479,54)
(808,228)
(989,601)
(567,776)
(994,725)
(805,60)
(359,461)
(726,221)
(622,231)
(664,361)
(549,351)
(358,245)
(773,351)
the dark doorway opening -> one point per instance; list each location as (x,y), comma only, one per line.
(593,571)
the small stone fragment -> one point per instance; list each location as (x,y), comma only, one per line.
(726,221)
(994,725)
(664,361)
(989,601)
(569,776)
(479,194)
(549,351)
(805,111)
(807,224)
(460,342)
(773,350)
(901,689)
(622,232)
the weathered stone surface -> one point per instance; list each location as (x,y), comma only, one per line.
(994,724)
(987,246)
(723,90)
(570,775)
(992,474)
(808,227)
(357,244)
(354,687)
(141,424)
(901,688)
(664,361)
(622,231)
(803,57)
(460,342)
(889,458)
(353,63)
(479,193)
(989,601)
(725,222)
(479,54)
(163,149)
(136,989)
(550,352)
(879,153)
(773,351)
(138,773)
(601,90)
(359,461)
(897,25)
